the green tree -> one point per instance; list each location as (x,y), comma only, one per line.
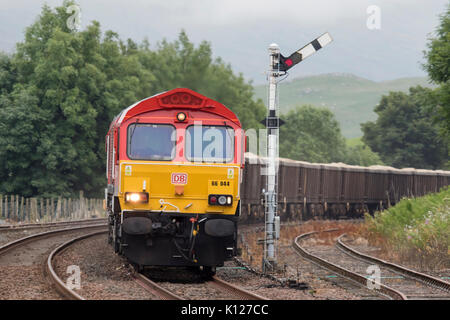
(7,73)
(362,155)
(71,83)
(438,68)
(311,134)
(404,134)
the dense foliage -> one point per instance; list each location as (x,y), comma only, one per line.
(404,135)
(438,68)
(362,155)
(313,134)
(61,89)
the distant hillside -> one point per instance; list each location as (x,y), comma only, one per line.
(352,99)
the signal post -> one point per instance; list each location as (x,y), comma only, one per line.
(278,67)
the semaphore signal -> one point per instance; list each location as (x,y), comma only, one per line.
(278,66)
(303,53)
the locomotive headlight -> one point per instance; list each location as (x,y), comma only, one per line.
(136,197)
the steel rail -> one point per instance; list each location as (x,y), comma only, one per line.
(61,287)
(155,288)
(22,241)
(165,294)
(383,289)
(24,226)
(422,277)
(238,291)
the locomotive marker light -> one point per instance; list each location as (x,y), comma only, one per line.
(278,67)
(181,116)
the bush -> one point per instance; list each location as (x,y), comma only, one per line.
(417,229)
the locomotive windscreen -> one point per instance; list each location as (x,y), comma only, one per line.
(151,142)
(209,143)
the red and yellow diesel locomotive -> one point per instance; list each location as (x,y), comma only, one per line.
(174,167)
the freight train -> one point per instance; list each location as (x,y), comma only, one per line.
(315,191)
(174,167)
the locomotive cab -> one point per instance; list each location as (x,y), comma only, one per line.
(174,168)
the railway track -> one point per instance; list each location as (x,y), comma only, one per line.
(345,262)
(228,290)
(216,287)
(22,263)
(61,287)
(23,226)
(9,233)
(425,279)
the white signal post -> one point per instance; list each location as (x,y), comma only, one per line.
(278,66)
(271,196)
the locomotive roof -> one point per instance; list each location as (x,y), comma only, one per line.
(179,98)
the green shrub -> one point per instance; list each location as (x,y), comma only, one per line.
(416,228)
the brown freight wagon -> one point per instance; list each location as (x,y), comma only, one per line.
(312,190)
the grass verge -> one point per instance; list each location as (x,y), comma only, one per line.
(416,230)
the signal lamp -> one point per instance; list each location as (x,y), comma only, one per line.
(136,197)
(181,116)
(212,200)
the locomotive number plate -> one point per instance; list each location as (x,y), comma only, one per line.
(179,178)
(220,183)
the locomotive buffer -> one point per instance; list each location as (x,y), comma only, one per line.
(278,67)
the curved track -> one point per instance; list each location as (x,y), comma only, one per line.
(62,288)
(152,287)
(427,280)
(346,273)
(23,226)
(352,265)
(22,263)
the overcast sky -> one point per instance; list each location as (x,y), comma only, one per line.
(241,30)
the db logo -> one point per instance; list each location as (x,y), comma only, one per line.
(179,178)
